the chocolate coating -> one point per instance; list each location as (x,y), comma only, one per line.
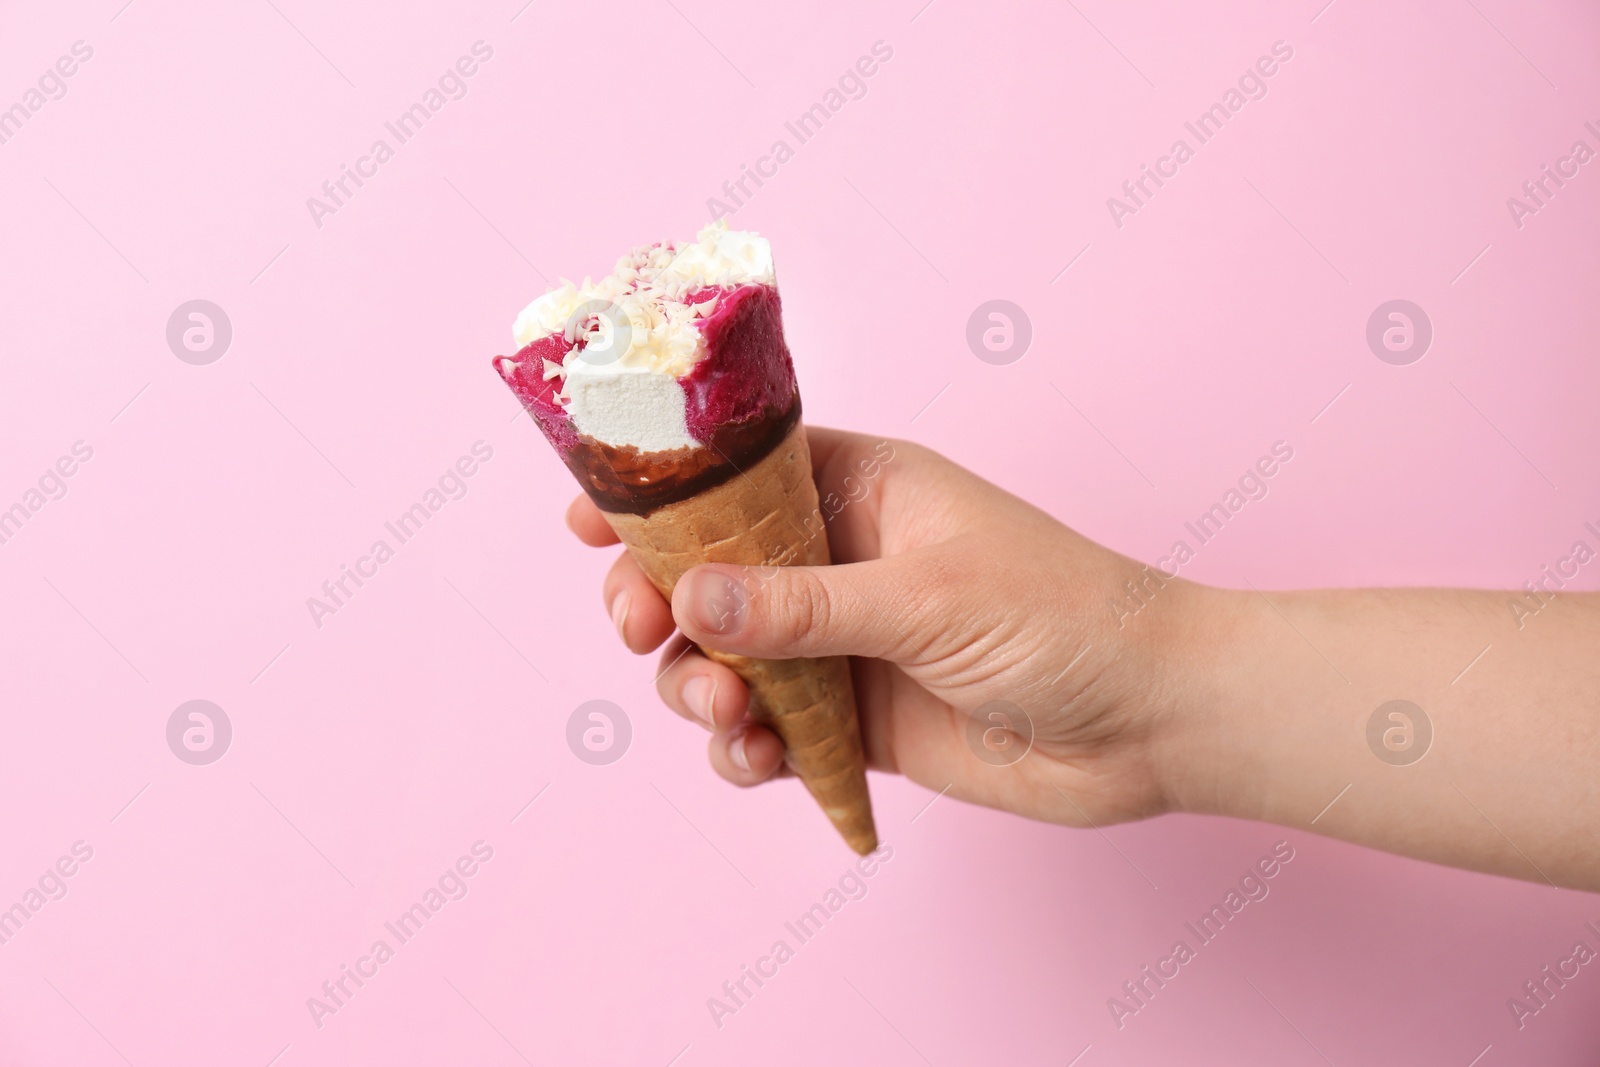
(628,480)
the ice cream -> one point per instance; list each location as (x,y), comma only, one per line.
(677,355)
(668,390)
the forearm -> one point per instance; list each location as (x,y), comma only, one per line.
(1275,724)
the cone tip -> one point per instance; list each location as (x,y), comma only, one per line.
(863,843)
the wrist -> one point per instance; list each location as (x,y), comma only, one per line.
(1202,737)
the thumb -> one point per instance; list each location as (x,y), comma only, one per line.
(854,609)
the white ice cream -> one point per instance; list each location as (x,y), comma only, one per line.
(620,386)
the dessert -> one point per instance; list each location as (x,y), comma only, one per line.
(668,391)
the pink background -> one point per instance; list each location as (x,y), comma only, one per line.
(370,753)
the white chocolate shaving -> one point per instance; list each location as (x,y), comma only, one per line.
(634,324)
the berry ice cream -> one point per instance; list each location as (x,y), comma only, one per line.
(665,377)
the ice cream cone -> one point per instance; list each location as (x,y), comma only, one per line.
(668,390)
(768,516)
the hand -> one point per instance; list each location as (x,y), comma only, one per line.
(950,594)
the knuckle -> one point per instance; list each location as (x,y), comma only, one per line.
(922,601)
(916,454)
(801,607)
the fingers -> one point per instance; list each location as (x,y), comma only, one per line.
(824,442)
(741,751)
(587,521)
(850,471)
(701,691)
(747,755)
(859,609)
(642,618)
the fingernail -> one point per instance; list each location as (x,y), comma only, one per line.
(700,697)
(716,603)
(736,752)
(619,613)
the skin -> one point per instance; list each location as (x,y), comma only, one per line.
(949,593)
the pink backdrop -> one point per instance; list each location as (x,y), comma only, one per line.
(369,754)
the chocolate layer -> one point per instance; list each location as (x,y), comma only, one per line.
(628,480)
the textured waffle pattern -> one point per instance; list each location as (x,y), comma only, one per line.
(768,516)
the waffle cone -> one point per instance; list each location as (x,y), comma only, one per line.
(768,516)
